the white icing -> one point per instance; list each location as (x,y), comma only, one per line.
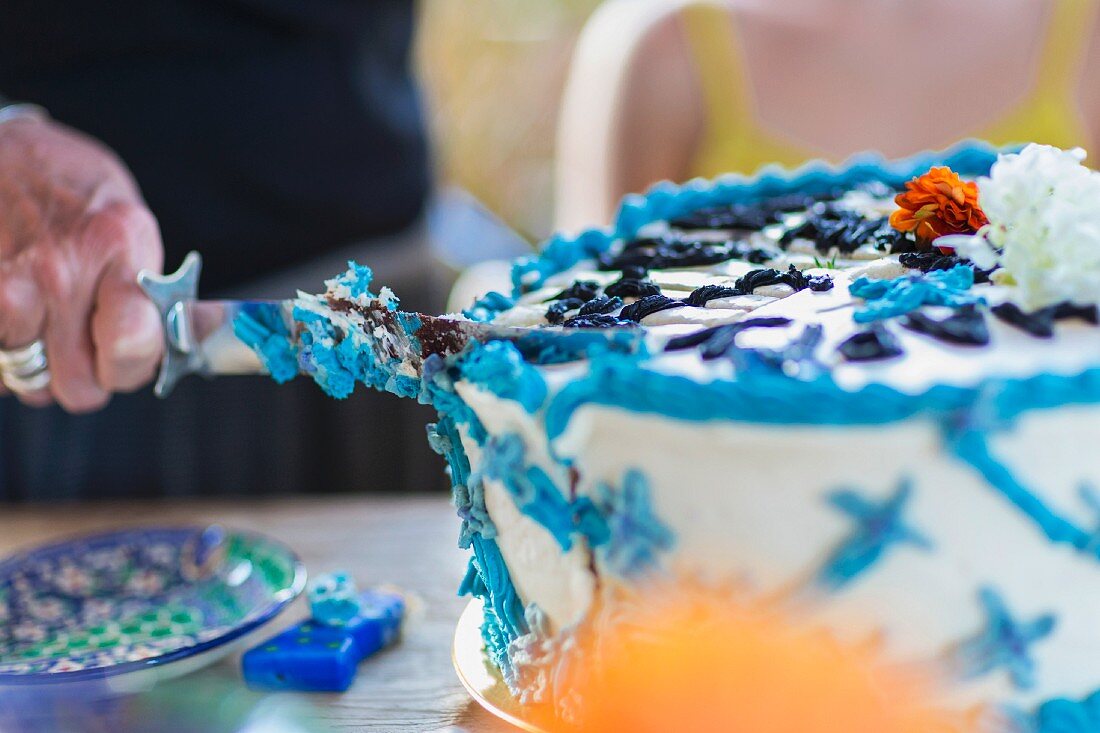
(748,503)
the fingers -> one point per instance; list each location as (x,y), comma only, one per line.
(22,318)
(125,326)
(101,333)
(22,307)
(67,337)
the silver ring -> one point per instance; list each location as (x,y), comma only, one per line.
(25,369)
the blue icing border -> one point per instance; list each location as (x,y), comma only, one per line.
(467,491)
(499,367)
(487,578)
(488,306)
(762,396)
(667,200)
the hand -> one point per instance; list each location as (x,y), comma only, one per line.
(74,232)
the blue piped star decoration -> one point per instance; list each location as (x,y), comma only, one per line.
(889,298)
(879,526)
(634,537)
(1004,643)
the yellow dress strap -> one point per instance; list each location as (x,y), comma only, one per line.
(733,139)
(1050,114)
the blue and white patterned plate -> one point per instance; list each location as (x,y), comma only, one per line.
(96,608)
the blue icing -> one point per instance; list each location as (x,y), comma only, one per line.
(437,389)
(559,347)
(331,359)
(499,367)
(533,656)
(336,361)
(333,599)
(590,522)
(467,490)
(879,526)
(762,395)
(488,306)
(972,447)
(487,578)
(667,200)
(635,537)
(1068,716)
(559,254)
(890,298)
(533,490)
(261,326)
(1005,642)
(357,280)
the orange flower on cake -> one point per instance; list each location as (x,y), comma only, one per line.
(937,204)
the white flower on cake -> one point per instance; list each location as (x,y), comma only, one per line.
(1043,206)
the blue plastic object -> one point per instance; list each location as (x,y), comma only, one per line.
(315,657)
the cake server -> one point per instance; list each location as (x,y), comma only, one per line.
(199,335)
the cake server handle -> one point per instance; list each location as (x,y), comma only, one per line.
(198,334)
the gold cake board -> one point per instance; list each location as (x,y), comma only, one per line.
(480,676)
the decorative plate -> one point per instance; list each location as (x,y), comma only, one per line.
(480,676)
(97,607)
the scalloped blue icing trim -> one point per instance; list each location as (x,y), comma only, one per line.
(488,306)
(667,200)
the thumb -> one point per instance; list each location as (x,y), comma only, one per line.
(126,329)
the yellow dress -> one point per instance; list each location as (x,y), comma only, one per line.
(733,139)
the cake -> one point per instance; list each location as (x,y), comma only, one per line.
(868,391)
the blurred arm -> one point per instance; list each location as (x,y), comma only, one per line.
(632,112)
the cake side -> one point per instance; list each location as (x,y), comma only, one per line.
(829,414)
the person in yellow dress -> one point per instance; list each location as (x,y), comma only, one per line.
(674,89)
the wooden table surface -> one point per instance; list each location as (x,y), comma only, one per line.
(409,542)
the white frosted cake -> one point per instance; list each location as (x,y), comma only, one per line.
(870,392)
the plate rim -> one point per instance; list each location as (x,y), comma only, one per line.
(278,604)
(468,649)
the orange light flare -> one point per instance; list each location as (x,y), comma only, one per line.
(703,665)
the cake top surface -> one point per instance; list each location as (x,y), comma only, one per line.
(909,275)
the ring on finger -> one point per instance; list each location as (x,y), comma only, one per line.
(26,368)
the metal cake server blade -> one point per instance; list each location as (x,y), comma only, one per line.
(200,338)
